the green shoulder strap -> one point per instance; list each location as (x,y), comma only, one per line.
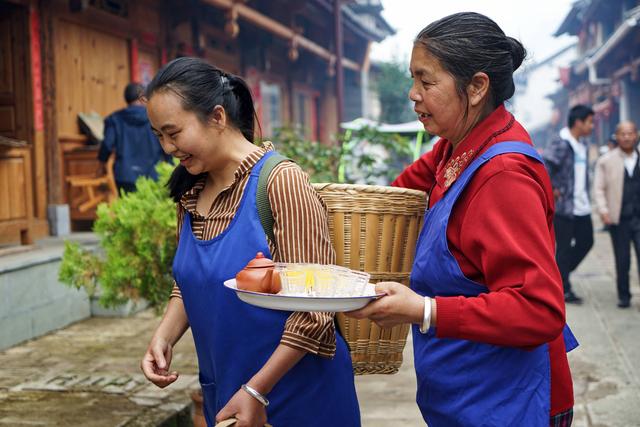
(262,198)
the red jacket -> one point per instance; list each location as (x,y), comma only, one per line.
(501,233)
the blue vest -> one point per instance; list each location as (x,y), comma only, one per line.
(234,340)
(468,383)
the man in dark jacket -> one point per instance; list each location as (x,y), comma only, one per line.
(566,158)
(128,132)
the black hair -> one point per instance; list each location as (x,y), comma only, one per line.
(578,112)
(200,87)
(133,92)
(467,43)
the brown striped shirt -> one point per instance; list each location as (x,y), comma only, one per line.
(300,230)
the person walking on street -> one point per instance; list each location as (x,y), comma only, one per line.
(486,300)
(617,197)
(127,131)
(567,160)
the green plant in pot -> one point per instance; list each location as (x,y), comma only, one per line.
(136,247)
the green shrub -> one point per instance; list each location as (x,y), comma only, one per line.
(355,159)
(137,245)
(373,157)
(319,160)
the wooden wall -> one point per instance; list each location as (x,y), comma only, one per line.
(16,145)
(92,70)
(16,196)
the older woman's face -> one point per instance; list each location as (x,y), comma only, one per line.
(436,101)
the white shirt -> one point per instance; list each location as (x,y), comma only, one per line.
(581,204)
(630,161)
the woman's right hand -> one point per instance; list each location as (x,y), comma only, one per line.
(156,361)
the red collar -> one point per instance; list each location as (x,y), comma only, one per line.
(478,140)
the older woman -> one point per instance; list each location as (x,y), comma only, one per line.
(486,296)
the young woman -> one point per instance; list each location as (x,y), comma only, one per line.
(291,369)
(486,296)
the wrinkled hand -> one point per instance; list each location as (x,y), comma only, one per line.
(156,361)
(606,219)
(399,305)
(246,409)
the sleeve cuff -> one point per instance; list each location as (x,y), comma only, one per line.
(175,292)
(309,345)
(448,316)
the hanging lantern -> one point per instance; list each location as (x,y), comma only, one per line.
(293,50)
(331,67)
(231,27)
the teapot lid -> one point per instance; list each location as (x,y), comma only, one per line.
(260,261)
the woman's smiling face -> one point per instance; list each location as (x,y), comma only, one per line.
(436,100)
(181,133)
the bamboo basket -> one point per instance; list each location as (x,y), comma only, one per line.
(374,229)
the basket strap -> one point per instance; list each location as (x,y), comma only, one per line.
(262,198)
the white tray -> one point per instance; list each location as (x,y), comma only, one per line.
(303,303)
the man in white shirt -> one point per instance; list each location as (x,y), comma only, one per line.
(567,161)
(617,197)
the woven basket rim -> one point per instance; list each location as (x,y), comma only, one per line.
(382,189)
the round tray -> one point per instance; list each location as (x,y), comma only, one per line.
(303,303)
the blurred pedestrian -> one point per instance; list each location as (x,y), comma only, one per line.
(128,133)
(617,197)
(486,299)
(567,160)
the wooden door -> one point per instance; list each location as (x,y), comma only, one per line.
(16,188)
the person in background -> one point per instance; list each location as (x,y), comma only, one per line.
(567,160)
(127,132)
(617,197)
(486,299)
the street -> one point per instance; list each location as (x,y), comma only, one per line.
(87,374)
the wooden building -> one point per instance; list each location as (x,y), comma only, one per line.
(606,74)
(306,62)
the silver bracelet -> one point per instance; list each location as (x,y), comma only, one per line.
(256,394)
(426,317)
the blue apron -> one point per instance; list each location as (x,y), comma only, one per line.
(468,383)
(234,340)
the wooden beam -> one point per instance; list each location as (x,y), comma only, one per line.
(280,30)
(54,170)
(337,27)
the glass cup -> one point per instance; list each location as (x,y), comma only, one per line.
(359,283)
(280,268)
(294,280)
(324,282)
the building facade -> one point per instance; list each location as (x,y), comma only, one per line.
(305,62)
(606,74)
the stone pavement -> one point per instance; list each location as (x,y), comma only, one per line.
(88,375)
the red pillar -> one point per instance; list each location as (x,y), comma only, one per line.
(36,69)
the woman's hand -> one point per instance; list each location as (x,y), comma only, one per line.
(246,409)
(399,305)
(156,361)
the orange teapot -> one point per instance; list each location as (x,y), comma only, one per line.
(259,276)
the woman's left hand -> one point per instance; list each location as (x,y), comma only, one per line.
(399,305)
(246,409)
